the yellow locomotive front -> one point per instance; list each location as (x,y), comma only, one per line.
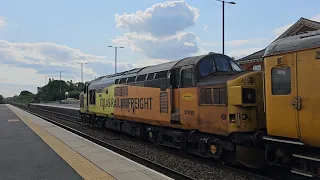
(245,103)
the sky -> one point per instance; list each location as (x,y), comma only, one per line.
(39,38)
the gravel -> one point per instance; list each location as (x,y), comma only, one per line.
(194,167)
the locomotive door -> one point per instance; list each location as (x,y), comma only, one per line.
(281,96)
(308,73)
(175,99)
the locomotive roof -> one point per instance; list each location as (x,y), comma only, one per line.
(294,43)
(158,67)
(110,79)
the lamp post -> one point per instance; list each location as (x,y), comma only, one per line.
(82,70)
(115,56)
(60,79)
(223,21)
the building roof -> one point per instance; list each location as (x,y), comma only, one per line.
(302,26)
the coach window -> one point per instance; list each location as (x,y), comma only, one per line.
(186,77)
(281,80)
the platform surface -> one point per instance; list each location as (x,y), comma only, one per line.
(89,160)
(24,155)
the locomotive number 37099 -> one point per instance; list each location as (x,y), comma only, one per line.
(189,112)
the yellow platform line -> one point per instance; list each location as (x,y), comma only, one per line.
(80,164)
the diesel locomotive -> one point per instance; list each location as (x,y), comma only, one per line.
(207,105)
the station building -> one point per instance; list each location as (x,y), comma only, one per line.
(254,61)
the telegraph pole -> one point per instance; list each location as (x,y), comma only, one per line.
(81,70)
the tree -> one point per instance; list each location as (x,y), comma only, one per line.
(1,99)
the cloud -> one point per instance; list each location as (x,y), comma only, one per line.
(2,22)
(278,31)
(172,47)
(211,44)
(238,42)
(162,19)
(27,64)
(241,42)
(48,58)
(205,27)
(159,31)
(316,18)
(9,90)
(243,52)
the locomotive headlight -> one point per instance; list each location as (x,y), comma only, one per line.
(244,116)
(248,96)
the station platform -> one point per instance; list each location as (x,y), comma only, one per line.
(32,148)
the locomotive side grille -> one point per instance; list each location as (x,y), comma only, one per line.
(125,103)
(117,91)
(202,96)
(163,102)
(124,91)
(205,96)
(223,95)
(219,96)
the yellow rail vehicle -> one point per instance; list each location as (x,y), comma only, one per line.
(292,94)
(204,104)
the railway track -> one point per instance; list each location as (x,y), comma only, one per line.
(50,115)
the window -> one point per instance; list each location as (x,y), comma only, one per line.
(186,77)
(235,66)
(207,66)
(141,78)
(131,79)
(150,76)
(206,96)
(281,81)
(256,68)
(123,80)
(219,96)
(92,95)
(222,63)
(161,74)
(175,77)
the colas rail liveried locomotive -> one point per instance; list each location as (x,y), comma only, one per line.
(208,106)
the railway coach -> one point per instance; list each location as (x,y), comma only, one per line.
(206,105)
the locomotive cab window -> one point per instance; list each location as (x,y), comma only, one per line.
(92,94)
(186,77)
(235,66)
(281,80)
(222,63)
(207,66)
